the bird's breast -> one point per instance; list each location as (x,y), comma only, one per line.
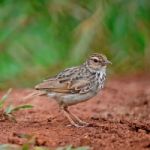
(101,76)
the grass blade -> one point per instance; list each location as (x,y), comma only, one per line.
(4,98)
(9,109)
(21,107)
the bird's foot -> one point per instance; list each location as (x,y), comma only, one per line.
(76,125)
(79,124)
(83,123)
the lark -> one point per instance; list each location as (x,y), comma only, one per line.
(76,84)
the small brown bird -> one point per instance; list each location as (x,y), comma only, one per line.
(75,85)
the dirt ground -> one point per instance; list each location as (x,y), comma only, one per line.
(119,118)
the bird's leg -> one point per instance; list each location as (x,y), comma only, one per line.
(78,119)
(67,114)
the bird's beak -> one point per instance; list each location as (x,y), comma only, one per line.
(108,62)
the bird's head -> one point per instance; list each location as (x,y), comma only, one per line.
(97,62)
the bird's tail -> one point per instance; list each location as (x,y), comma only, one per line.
(34,94)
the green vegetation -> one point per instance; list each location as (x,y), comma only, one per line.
(71,148)
(8,112)
(16,147)
(39,38)
(32,142)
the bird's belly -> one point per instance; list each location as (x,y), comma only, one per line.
(71,99)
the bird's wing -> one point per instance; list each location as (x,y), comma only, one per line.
(66,74)
(66,82)
(74,86)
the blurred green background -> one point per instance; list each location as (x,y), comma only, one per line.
(41,37)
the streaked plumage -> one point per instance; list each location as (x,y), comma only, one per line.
(76,84)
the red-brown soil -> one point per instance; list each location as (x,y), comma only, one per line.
(119,117)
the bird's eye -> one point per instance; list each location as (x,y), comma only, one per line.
(95,60)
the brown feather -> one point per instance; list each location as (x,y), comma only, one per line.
(63,87)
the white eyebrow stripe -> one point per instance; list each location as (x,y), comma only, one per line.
(95,58)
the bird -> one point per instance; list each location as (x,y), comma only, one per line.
(75,85)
